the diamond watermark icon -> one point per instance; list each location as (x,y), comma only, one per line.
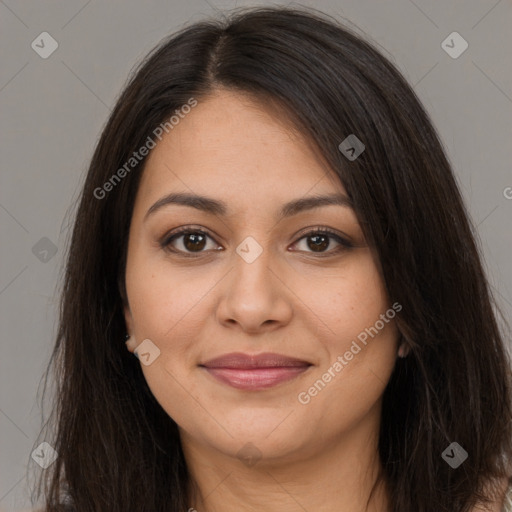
(44,455)
(454,45)
(44,250)
(351,147)
(249,455)
(44,45)
(249,250)
(455,455)
(147,352)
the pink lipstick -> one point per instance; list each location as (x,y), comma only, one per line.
(256,372)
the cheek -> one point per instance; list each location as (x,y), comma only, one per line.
(346,301)
(166,306)
(169,306)
(163,295)
(348,308)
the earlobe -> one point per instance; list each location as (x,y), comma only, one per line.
(131,343)
(403,350)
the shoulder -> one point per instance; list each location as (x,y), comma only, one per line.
(29,510)
(507,505)
(504,504)
(61,507)
(43,509)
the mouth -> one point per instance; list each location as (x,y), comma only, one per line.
(257,372)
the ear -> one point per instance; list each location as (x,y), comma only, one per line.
(131,342)
(403,350)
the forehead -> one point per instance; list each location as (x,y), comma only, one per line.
(236,147)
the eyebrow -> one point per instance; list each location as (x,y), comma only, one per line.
(220,208)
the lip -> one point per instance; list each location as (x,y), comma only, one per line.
(254,372)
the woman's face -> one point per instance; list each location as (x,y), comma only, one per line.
(258,282)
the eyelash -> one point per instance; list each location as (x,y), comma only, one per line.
(187,230)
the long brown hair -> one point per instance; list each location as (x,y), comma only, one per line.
(117,448)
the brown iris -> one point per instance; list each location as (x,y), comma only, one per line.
(322,242)
(194,241)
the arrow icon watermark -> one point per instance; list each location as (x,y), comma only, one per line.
(351,147)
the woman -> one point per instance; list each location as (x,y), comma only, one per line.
(270,219)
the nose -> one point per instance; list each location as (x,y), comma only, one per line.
(255,296)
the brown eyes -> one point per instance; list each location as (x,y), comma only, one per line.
(194,241)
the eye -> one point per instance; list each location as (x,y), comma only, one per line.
(191,241)
(320,239)
(194,241)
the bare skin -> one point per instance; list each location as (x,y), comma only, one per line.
(291,300)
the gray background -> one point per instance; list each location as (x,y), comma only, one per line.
(52,111)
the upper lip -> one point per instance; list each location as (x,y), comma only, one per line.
(266,360)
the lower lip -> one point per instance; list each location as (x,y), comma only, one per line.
(256,378)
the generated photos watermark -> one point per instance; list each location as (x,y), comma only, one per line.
(143,151)
(304,397)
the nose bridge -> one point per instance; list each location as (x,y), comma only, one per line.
(253,263)
(254,295)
